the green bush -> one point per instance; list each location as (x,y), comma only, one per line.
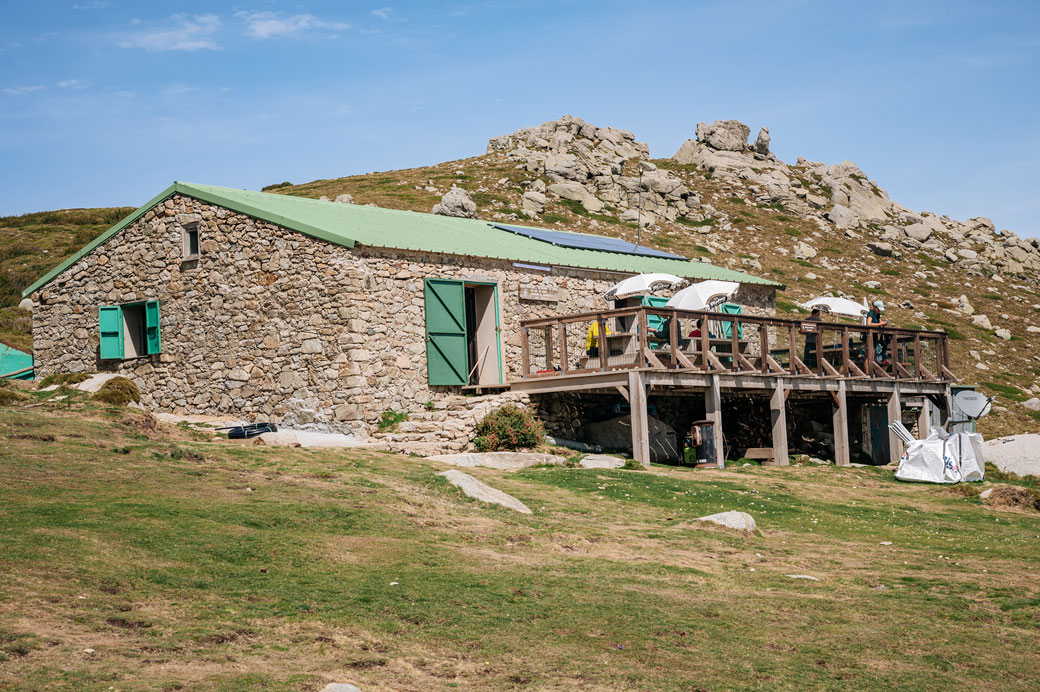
(388,420)
(118,391)
(63,378)
(508,427)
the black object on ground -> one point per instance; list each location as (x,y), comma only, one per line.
(244,432)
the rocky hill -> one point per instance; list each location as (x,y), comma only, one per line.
(722,198)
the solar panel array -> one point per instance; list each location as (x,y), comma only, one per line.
(587,242)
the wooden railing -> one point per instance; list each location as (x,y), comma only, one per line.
(660,338)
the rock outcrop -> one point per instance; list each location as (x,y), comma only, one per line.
(605,170)
(455,202)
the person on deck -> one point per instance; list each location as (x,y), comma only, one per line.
(592,339)
(881,342)
(809,354)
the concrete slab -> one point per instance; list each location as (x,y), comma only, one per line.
(507,461)
(482,491)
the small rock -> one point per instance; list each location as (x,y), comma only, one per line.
(601,461)
(345,198)
(804,251)
(801,576)
(1003,333)
(986,493)
(340,687)
(741,521)
(885,543)
(879,248)
(1032,404)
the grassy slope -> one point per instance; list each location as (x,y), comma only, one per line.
(33,244)
(187,564)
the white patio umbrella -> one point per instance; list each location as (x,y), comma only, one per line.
(837,306)
(642,283)
(702,295)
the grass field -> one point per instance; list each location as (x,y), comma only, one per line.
(186,564)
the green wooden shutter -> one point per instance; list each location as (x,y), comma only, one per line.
(153,343)
(446,358)
(727,327)
(110,321)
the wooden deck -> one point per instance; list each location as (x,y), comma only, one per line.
(734,352)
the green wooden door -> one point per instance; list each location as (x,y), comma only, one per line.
(446,358)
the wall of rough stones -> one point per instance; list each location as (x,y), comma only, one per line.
(272,323)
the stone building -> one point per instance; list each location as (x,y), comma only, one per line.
(319,314)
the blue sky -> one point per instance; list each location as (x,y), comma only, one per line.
(104,102)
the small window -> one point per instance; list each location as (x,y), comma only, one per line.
(190,240)
(129,331)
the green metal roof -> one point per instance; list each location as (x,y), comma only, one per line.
(354,224)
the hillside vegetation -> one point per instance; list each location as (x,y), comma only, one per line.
(33,244)
(807,225)
(135,556)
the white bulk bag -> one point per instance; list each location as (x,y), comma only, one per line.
(966,448)
(928,461)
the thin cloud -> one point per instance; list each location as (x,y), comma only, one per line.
(72,84)
(178,90)
(383,13)
(182,32)
(265,25)
(95,5)
(22,90)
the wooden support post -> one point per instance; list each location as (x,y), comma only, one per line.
(644,346)
(549,347)
(917,358)
(637,405)
(734,346)
(924,419)
(713,412)
(868,347)
(778,416)
(840,420)
(895,412)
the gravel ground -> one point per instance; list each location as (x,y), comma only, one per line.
(1016,453)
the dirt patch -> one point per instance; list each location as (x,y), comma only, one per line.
(1014,498)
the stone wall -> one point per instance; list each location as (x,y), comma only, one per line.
(272,323)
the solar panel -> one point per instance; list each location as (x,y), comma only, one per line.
(587,242)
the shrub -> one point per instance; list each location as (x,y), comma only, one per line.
(118,391)
(389,420)
(63,378)
(10,396)
(276,186)
(508,427)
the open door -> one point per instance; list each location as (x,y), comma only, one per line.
(485,364)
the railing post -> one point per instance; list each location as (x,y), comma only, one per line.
(734,344)
(917,357)
(643,347)
(763,346)
(819,350)
(792,348)
(673,339)
(868,341)
(601,341)
(561,328)
(525,350)
(705,344)
(845,369)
